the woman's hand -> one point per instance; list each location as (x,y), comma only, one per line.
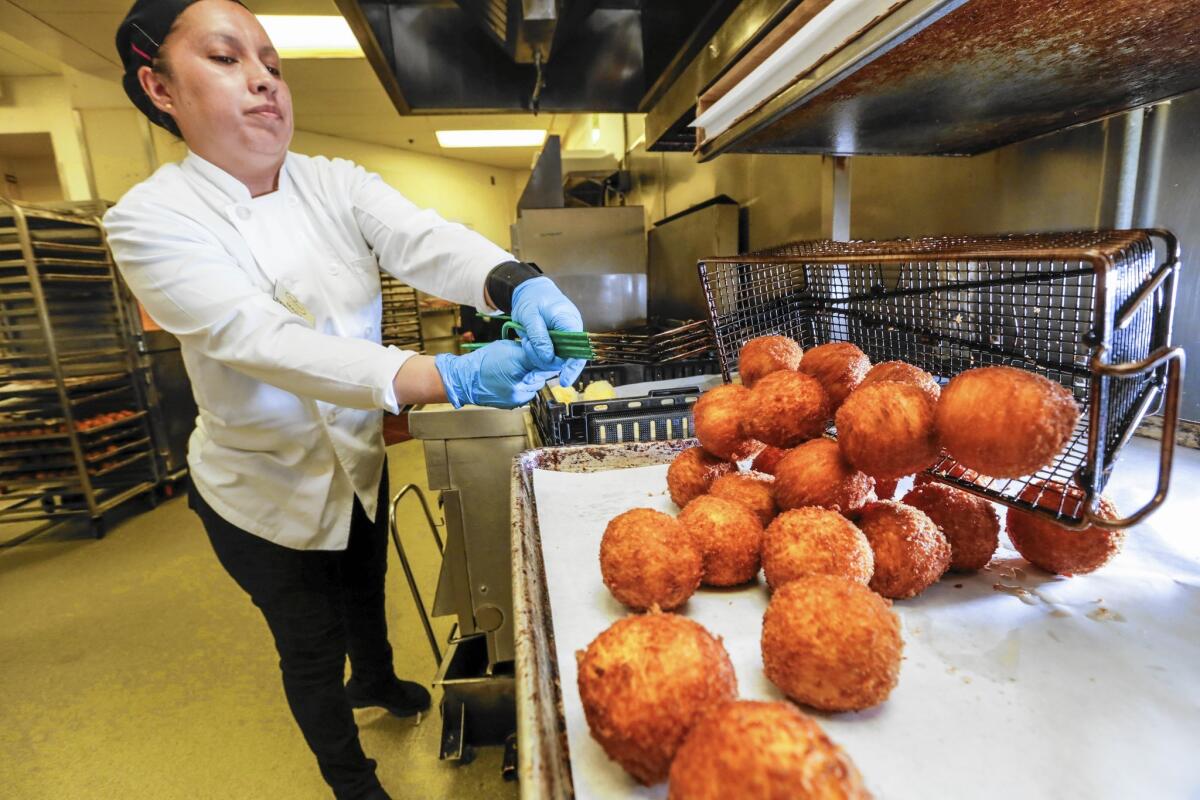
(499,374)
(539,307)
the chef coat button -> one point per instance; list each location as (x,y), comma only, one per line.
(243,213)
(370,330)
(293,200)
(331,417)
(334,269)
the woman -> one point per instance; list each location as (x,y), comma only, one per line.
(265,264)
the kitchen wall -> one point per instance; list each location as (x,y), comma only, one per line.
(1171,200)
(119,147)
(481,197)
(36,176)
(103,147)
(1067,180)
(478,196)
(596,132)
(1058,182)
(44,105)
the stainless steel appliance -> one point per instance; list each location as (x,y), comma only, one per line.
(597,256)
(676,244)
(553,55)
(468,457)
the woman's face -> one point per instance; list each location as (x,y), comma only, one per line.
(223,86)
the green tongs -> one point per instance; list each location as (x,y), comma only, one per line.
(567,344)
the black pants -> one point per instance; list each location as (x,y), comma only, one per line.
(320,606)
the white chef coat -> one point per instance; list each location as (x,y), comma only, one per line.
(290,411)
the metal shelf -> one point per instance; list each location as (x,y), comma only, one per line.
(71,384)
(401,318)
(122,463)
(68,355)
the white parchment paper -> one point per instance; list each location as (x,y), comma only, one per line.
(1015,683)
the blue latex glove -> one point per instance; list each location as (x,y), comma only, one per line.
(539,306)
(498,375)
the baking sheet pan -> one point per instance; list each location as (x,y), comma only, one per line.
(1014,682)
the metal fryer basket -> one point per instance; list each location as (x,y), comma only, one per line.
(1090,310)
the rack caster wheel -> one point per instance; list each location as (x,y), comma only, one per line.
(99,528)
(508,768)
(168,490)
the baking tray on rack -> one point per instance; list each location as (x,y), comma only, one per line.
(73,383)
(1091,311)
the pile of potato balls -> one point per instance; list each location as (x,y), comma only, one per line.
(767,490)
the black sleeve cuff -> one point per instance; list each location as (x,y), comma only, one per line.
(504,279)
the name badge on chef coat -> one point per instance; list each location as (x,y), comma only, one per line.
(293,304)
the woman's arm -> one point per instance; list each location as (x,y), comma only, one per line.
(194,289)
(418,381)
(417,246)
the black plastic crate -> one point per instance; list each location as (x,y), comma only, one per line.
(658,416)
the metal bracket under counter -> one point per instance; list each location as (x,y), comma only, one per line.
(468,457)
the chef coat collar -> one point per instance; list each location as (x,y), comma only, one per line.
(231,186)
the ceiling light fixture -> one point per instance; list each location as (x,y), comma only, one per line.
(498,138)
(311,36)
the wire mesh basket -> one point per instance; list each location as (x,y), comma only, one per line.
(1091,311)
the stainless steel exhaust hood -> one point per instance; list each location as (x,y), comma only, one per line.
(473,56)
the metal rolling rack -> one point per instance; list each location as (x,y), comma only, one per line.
(1090,310)
(401,325)
(75,438)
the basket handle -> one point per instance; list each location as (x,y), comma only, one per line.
(1174,358)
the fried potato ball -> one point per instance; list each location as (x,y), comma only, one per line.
(885,488)
(1054,548)
(903,372)
(839,366)
(815,541)
(911,552)
(718,423)
(643,683)
(767,459)
(831,643)
(647,558)
(750,489)
(692,473)
(816,474)
(766,354)
(763,751)
(786,408)
(729,536)
(1005,422)
(886,429)
(970,523)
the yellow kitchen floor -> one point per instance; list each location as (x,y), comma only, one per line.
(133,667)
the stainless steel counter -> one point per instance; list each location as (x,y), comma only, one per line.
(467,452)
